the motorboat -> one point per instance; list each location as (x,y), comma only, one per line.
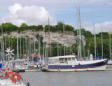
(70,63)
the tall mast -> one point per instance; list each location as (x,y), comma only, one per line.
(38,44)
(63,36)
(17,49)
(43,45)
(2,45)
(79,35)
(57,46)
(110,44)
(57,49)
(49,38)
(45,48)
(29,48)
(10,42)
(26,47)
(102,42)
(20,48)
(23,48)
(34,46)
(94,41)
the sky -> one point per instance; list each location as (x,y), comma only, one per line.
(94,13)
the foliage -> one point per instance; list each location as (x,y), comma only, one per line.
(8,27)
(87,49)
(60,27)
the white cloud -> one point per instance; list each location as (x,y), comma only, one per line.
(32,15)
(100,27)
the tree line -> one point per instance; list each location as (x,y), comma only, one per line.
(87,49)
(9,27)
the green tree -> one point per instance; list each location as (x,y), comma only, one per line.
(8,27)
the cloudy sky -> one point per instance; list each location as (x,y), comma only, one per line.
(93,12)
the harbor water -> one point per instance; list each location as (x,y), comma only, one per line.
(96,78)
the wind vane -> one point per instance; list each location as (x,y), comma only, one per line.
(9,53)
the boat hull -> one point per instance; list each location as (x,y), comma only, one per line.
(97,66)
(102,68)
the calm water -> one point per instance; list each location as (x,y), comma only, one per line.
(97,78)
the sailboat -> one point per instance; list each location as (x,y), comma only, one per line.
(20,64)
(73,62)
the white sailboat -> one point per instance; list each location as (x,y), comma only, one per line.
(72,62)
(20,65)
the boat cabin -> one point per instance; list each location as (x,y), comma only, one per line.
(62,59)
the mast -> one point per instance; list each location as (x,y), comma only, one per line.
(43,45)
(57,49)
(29,48)
(20,49)
(49,38)
(23,48)
(102,43)
(17,49)
(110,45)
(38,44)
(10,42)
(79,36)
(26,48)
(34,46)
(44,48)
(2,44)
(94,41)
(63,36)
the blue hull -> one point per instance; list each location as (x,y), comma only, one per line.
(79,66)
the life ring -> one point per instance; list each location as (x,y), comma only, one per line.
(7,74)
(14,79)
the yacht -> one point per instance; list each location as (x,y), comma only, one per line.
(70,63)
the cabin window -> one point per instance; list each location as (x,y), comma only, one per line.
(69,59)
(61,60)
(73,59)
(51,61)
